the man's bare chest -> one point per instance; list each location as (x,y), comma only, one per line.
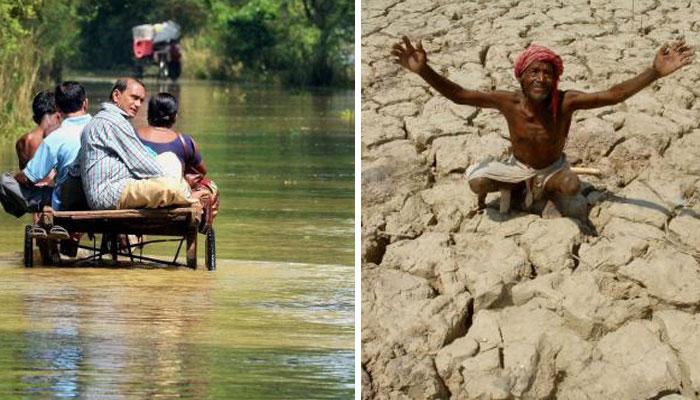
(534,133)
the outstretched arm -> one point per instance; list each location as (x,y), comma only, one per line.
(669,58)
(415,60)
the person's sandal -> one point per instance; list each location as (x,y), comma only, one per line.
(58,233)
(37,232)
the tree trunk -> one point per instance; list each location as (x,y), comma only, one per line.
(322,70)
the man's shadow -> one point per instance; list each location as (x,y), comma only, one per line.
(654,206)
(576,211)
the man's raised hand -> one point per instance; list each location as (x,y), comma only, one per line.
(672,56)
(412,58)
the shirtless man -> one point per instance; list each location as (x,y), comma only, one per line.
(538,117)
(47,118)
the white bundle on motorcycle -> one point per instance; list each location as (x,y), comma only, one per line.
(166,32)
(163,32)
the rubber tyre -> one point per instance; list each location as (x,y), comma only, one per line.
(28,249)
(210,249)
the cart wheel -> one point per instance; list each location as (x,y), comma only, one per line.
(210,245)
(28,250)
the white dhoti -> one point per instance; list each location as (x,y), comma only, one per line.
(514,171)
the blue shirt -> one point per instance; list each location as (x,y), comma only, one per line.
(111,156)
(58,150)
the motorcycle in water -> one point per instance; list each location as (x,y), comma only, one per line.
(158,44)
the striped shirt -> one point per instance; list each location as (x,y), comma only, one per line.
(111,155)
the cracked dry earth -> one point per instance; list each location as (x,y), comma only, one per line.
(603,304)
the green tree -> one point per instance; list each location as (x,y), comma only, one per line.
(55,37)
(249,33)
(335,21)
(13,18)
(300,41)
(306,40)
(18,70)
(106,37)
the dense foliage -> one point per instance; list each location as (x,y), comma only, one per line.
(300,41)
(105,27)
(32,40)
(308,40)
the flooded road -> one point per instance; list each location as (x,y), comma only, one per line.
(259,330)
(278,327)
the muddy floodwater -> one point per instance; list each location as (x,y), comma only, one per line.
(275,321)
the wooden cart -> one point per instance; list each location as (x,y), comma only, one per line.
(181,223)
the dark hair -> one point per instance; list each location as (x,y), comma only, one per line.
(122,83)
(44,103)
(162,109)
(70,96)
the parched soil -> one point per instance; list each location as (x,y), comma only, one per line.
(602,304)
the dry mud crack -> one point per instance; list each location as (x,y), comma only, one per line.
(604,304)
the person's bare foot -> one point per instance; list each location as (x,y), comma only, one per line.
(478,208)
(481,202)
(550,211)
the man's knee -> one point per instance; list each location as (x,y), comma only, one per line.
(11,196)
(570,185)
(153,193)
(481,185)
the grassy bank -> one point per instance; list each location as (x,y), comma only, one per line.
(18,80)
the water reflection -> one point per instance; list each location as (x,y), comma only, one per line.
(257,330)
(105,336)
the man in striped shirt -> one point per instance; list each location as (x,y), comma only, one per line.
(116,169)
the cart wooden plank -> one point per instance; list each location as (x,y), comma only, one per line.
(129,213)
(181,222)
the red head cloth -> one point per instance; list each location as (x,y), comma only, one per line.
(540,53)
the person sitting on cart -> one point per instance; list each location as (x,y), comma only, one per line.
(116,168)
(19,194)
(47,118)
(162,139)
